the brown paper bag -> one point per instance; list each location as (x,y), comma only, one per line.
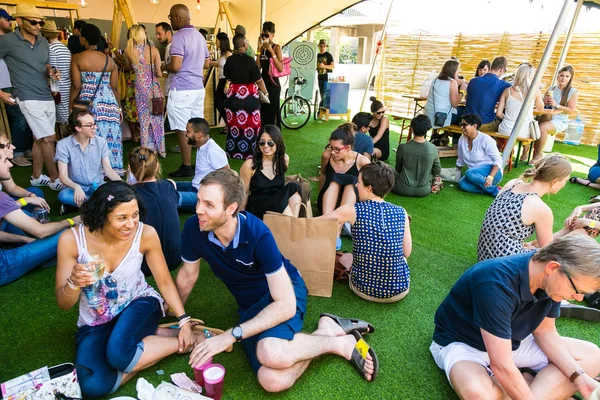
(310,246)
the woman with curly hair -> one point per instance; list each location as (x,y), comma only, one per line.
(118,312)
(264,177)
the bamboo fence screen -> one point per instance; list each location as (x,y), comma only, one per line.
(408,59)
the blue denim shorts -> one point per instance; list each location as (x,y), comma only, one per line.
(286,330)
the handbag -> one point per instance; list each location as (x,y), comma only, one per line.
(304,193)
(439,118)
(158,103)
(275,73)
(58,382)
(79,104)
(343,265)
(450,175)
(309,243)
(534,130)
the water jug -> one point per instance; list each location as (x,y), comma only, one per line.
(574,131)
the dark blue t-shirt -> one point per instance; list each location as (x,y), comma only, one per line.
(493,295)
(483,93)
(363,143)
(160,200)
(245,264)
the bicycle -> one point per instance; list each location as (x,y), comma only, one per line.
(295,110)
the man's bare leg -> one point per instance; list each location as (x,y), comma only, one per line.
(186,149)
(550,383)
(38,159)
(47,145)
(283,362)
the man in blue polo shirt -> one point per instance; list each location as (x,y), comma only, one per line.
(500,316)
(268,289)
(484,92)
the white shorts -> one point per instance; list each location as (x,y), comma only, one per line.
(184,105)
(40,116)
(528,355)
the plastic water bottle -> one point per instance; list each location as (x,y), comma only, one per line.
(574,131)
(54,83)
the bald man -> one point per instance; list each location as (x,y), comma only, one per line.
(189,58)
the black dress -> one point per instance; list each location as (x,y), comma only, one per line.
(349,177)
(269,113)
(160,200)
(383,144)
(269,194)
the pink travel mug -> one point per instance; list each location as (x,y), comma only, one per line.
(199,370)
(213,381)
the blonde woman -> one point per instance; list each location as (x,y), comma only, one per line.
(518,211)
(144,59)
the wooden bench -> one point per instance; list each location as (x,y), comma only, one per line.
(405,119)
(501,141)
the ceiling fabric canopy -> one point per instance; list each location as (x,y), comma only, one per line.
(291,17)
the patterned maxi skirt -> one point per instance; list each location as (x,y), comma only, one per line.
(242,110)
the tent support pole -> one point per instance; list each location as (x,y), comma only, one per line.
(537,79)
(263,12)
(565,49)
(380,42)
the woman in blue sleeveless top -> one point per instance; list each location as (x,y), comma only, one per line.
(381,238)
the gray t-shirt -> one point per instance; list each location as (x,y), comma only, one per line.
(26,63)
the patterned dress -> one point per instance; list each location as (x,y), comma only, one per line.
(379,268)
(152,132)
(503,231)
(242,113)
(105,110)
(129,106)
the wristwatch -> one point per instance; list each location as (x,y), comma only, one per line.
(237,333)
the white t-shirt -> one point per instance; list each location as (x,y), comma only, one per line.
(210,157)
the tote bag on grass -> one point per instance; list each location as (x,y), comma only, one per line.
(309,244)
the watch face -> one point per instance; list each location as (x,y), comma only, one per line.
(237,333)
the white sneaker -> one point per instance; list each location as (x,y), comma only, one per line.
(347,229)
(56,185)
(43,180)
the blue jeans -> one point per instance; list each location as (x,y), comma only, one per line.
(35,190)
(105,352)
(594,173)
(474,178)
(187,196)
(67,196)
(22,137)
(14,263)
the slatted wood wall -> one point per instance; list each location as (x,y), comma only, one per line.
(408,59)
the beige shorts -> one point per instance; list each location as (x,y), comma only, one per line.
(184,105)
(527,355)
(40,116)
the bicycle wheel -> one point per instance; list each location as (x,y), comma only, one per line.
(295,112)
(316,105)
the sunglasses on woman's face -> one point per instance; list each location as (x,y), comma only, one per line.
(34,23)
(5,145)
(269,143)
(380,112)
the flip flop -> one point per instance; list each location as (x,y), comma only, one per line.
(198,324)
(359,356)
(351,324)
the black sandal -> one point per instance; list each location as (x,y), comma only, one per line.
(573,179)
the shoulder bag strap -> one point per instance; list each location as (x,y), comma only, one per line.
(100,81)
(152,72)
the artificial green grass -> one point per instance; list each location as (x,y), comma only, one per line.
(445,228)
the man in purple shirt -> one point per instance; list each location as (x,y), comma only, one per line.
(189,58)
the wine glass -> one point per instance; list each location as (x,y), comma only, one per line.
(96,267)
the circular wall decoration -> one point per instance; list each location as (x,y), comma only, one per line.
(303,54)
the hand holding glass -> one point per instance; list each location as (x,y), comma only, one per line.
(96,268)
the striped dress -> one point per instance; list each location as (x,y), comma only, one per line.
(60,57)
(105,110)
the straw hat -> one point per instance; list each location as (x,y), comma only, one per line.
(27,11)
(50,27)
